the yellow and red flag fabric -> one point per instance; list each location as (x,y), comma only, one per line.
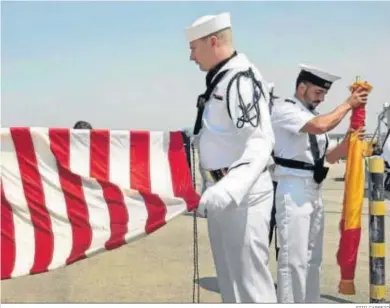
(350,224)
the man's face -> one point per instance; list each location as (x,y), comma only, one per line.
(313,95)
(200,53)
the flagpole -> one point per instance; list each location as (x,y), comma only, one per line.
(377,246)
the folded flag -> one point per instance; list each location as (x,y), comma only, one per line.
(350,224)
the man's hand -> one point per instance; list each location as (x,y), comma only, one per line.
(324,123)
(213,199)
(361,133)
(358,98)
(201,211)
(341,150)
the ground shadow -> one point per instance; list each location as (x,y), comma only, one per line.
(188,214)
(335,299)
(211,284)
(191,214)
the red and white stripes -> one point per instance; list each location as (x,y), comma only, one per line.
(68,194)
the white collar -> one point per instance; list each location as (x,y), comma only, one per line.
(302,105)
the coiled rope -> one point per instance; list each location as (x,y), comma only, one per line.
(246,109)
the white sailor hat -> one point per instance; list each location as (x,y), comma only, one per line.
(316,76)
(207,25)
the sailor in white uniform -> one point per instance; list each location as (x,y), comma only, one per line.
(301,148)
(234,136)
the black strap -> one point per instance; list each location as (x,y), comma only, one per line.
(315,151)
(218,174)
(290,101)
(273,228)
(293,164)
(203,98)
(272,223)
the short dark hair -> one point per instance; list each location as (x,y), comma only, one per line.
(82,125)
(307,77)
(300,79)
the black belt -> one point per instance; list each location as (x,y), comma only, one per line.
(294,164)
(319,171)
(218,174)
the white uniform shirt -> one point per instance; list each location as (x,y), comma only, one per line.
(287,120)
(222,144)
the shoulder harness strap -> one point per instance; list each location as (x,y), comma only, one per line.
(203,98)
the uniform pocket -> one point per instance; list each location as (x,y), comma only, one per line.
(311,189)
(294,196)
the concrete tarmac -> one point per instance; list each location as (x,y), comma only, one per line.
(159,267)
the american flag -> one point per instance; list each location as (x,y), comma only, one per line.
(69,194)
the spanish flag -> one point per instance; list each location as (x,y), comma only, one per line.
(350,224)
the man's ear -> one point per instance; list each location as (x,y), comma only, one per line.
(301,88)
(213,41)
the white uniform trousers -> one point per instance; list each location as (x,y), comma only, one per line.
(239,243)
(300,225)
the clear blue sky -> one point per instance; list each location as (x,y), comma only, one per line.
(126,64)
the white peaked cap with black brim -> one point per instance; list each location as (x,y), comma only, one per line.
(317,76)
